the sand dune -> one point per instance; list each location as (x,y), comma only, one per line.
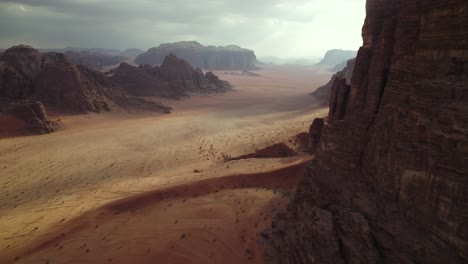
(224,213)
(122,185)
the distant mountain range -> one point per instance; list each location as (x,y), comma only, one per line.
(129,53)
(206,57)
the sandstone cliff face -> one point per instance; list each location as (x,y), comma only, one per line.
(199,56)
(389,183)
(174,78)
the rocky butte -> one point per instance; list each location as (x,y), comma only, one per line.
(205,57)
(389,182)
(174,78)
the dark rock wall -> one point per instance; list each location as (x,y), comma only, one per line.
(389,183)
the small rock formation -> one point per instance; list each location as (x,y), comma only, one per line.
(335,57)
(32,113)
(175,78)
(210,57)
(279,150)
(93,60)
(389,182)
(342,77)
(219,84)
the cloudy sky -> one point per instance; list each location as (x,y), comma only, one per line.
(284,28)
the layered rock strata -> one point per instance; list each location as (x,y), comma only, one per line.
(389,183)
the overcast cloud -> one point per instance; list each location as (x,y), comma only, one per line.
(284,28)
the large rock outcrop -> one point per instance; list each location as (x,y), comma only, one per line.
(50,78)
(174,78)
(27,74)
(199,56)
(389,183)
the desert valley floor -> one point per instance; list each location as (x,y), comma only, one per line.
(150,188)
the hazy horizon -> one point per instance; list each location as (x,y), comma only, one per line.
(286,29)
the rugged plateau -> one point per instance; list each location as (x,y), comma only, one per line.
(199,56)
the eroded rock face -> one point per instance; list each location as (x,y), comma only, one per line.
(199,56)
(391,169)
(175,78)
